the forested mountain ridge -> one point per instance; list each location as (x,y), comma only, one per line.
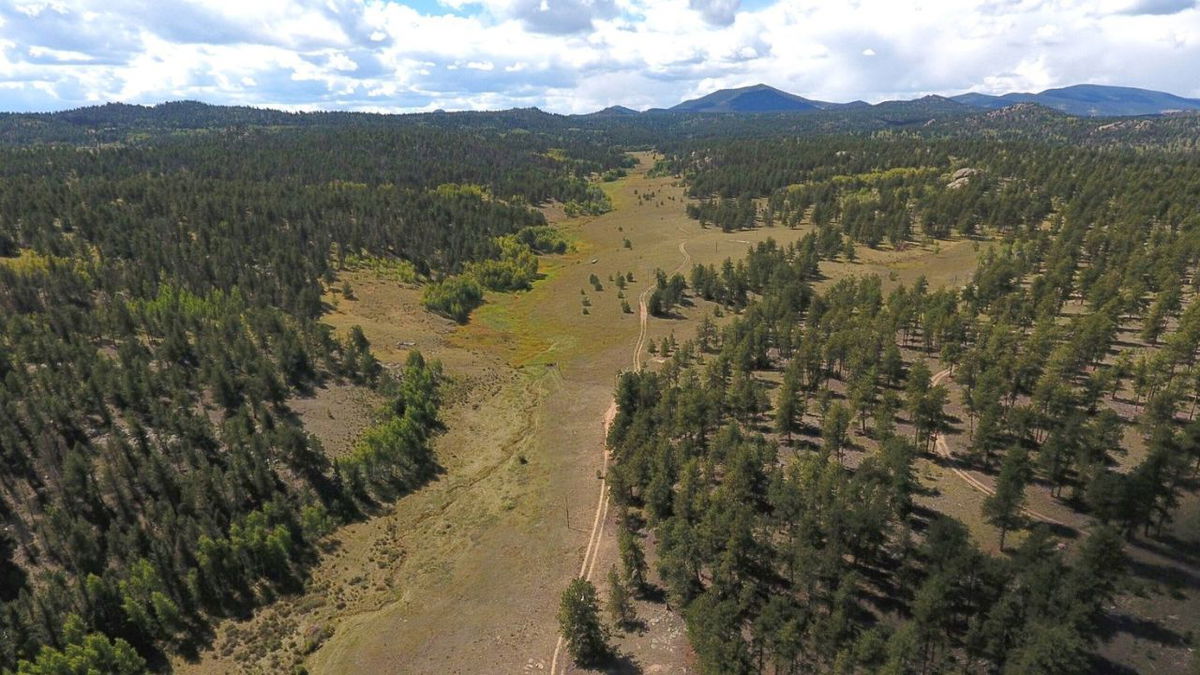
(752,99)
(1090,100)
(590,136)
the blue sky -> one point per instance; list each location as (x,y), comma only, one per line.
(576,55)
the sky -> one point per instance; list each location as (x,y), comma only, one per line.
(571,56)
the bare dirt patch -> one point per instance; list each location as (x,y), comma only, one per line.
(336,414)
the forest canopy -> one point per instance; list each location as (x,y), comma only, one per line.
(164,271)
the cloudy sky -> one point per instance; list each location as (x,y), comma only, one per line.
(577,55)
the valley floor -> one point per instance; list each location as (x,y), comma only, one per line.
(465,575)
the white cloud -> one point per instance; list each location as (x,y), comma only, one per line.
(554,17)
(339,61)
(577,55)
(58,55)
(716,12)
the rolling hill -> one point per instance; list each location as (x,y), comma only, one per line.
(1090,100)
(1084,100)
(758,98)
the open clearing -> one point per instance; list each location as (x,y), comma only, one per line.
(465,574)
(489,601)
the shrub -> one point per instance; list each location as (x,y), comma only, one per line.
(453,297)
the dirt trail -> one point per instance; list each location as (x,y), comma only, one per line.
(644,311)
(597,534)
(586,569)
(944,451)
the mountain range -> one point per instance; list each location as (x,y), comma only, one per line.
(1089,100)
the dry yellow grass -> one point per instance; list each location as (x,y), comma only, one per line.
(942,263)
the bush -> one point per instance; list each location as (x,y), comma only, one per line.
(542,238)
(514,269)
(501,275)
(453,297)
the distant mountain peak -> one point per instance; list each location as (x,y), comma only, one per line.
(756,98)
(616,110)
(1079,99)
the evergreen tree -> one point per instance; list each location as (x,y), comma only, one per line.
(633,560)
(1003,509)
(789,409)
(579,623)
(620,605)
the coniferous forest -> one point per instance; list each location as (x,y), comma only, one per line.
(786,554)
(161,280)
(160,304)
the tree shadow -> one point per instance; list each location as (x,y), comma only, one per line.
(881,590)
(158,662)
(1168,575)
(1140,628)
(634,625)
(652,593)
(921,516)
(619,663)
(1100,664)
(1171,547)
(1060,531)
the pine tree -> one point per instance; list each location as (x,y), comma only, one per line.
(835,429)
(620,605)
(789,409)
(633,560)
(1003,509)
(579,623)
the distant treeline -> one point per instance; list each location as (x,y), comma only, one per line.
(890,188)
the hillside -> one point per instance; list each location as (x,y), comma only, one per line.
(758,98)
(1090,100)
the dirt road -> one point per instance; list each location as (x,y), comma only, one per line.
(590,554)
(944,451)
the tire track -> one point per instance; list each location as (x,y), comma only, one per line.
(591,553)
(944,450)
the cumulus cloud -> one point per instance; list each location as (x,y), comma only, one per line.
(554,17)
(576,55)
(1160,7)
(716,12)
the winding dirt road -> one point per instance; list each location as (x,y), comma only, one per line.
(591,554)
(944,451)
